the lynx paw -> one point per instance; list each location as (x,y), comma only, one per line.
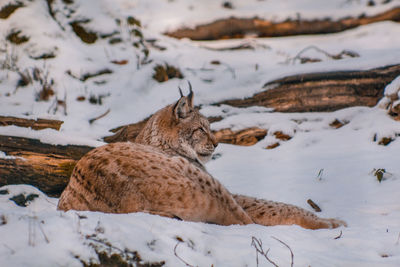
(334,223)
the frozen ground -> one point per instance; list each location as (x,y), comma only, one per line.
(333,167)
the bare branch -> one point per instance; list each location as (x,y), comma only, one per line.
(176,255)
(257,244)
(99,117)
(286,245)
(44,234)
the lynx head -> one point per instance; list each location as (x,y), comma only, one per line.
(180,129)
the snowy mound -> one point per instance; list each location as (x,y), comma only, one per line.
(76,60)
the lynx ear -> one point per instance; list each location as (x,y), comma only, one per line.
(190,96)
(182,108)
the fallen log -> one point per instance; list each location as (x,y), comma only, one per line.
(45,166)
(37,124)
(245,137)
(239,28)
(325,91)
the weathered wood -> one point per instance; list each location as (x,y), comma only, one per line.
(245,137)
(325,91)
(238,28)
(45,166)
(37,124)
(11,144)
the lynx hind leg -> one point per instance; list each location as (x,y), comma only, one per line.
(275,213)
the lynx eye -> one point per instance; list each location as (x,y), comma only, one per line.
(202,130)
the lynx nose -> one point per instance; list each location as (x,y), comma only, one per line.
(214,140)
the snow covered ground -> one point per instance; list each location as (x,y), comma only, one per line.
(333,167)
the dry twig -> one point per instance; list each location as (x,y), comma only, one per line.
(99,117)
(331,56)
(339,236)
(176,254)
(291,252)
(314,205)
(257,244)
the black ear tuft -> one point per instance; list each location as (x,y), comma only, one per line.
(190,96)
(184,105)
(180,91)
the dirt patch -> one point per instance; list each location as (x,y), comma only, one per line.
(15,37)
(7,10)
(86,36)
(163,73)
(23,201)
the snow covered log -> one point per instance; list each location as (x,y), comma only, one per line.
(45,166)
(238,28)
(324,91)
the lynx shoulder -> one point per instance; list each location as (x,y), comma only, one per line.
(163,173)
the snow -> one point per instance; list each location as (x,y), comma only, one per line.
(393,88)
(4,156)
(192,12)
(333,167)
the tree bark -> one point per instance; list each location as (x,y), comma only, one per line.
(245,137)
(48,167)
(238,28)
(325,91)
(37,124)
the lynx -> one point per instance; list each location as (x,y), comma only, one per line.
(163,173)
